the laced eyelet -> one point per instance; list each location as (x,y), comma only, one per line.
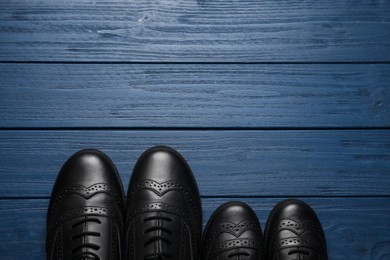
(158,237)
(83,250)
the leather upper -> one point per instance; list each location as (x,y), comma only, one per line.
(233,233)
(294,232)
(164,215)
(86,212)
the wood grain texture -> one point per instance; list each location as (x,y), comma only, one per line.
(241,95)
(355,228)
(225,163)
(197,31)
(127,73)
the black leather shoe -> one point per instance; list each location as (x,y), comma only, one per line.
(164,217)
(233,233)
(293,231)
(86,212)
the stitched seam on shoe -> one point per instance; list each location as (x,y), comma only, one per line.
(228,227)
(163,188)
(85,192)
(235,244)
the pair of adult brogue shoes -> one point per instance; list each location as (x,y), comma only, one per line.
(90,219)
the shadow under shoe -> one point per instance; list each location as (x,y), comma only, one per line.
(86,213)
(164,217)
(233,233)
(293,232)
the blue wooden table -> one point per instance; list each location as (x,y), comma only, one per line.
(266,100)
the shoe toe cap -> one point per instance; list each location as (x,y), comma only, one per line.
(162,164)
(234,212)
(87,168)
(294,209)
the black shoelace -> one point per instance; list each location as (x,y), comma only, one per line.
(158,237)
(82,251)
(238,254)
(298,252)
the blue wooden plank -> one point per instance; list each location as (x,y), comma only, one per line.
(355,228)
(154,95)
(218,30)
(261,163)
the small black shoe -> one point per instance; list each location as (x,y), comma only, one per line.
(233,233)
(164,217)
(293,231)
(86,213)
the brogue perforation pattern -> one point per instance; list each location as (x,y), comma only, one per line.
(297,228)
(232,228)
(86,192)
(162,188)
(160,206)
(69,214)
(234,244)
(295,242)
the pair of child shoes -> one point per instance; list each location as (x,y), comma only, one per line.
(293,232)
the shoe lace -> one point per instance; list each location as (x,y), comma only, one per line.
(81,252)
(299,252)
(237,254)
(158,237)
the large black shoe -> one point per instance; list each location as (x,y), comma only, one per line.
(233,233)
(86,213)
(293,231)
(164,217)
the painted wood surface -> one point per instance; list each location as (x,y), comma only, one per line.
(185,95)
(265,99)
(195,31)
(347,222)
(225,163)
